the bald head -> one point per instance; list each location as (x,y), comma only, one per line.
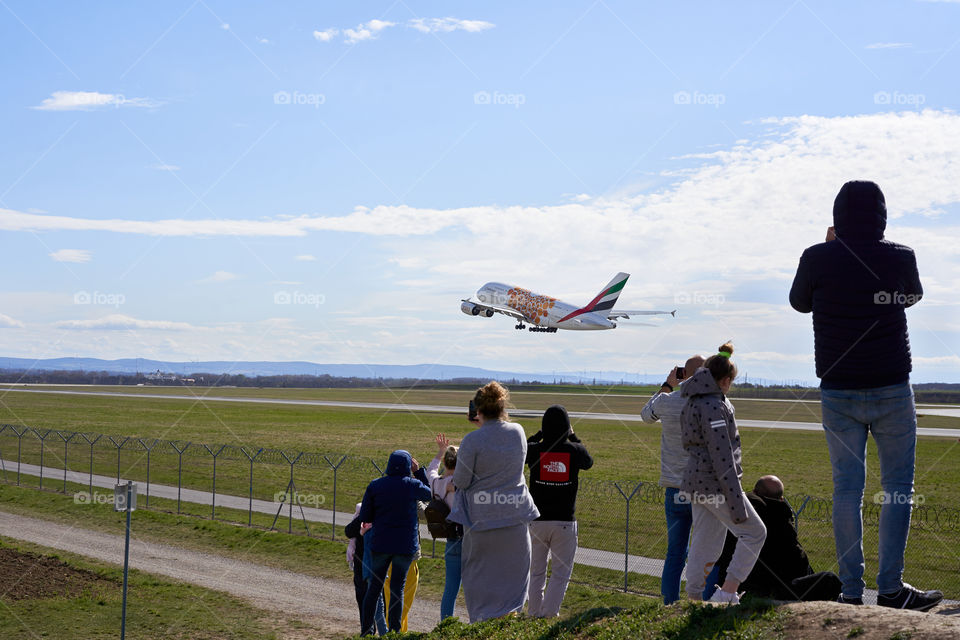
(693,363)
(769,487)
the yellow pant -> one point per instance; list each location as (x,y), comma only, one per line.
(409,591)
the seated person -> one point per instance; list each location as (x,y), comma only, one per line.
(782,571)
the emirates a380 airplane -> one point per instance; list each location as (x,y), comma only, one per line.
(548,314)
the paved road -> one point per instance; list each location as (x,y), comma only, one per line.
(327,603)
(518,413)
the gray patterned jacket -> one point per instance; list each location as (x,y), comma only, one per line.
(711,438)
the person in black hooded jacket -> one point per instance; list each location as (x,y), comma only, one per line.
(783,570)
(555,456)
(858,284)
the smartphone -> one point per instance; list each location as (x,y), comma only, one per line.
(472,411)
(681,372)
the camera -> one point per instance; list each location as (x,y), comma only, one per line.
(681,372)
(472,411)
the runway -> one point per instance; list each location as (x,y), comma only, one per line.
(518,413)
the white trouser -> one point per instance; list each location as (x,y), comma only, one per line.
(558,539)
(711,520)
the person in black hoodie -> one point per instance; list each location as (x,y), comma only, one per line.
(555,457)
(858,284)
(783,570)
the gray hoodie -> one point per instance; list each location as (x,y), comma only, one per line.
(666,408)
(711,438)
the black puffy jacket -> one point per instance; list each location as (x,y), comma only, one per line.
(858,287)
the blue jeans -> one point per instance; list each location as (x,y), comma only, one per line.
(379,615)
(451,584)
(679,518)
(379,563)
(889,414)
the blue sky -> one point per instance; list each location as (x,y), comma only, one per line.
(173,173)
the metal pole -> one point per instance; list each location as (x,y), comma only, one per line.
(626,532)
(126,565)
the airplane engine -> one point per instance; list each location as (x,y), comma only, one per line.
(488,313)
(469,308)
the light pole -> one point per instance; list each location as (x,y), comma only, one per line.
(125,499)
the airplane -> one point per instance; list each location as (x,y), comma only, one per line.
(546,314)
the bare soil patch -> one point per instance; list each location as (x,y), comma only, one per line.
(25,576)
(818,620)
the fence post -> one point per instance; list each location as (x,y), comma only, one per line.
(213,496)
(251,459)
(119,447)
(91,443)
(3,465)
(148,449)
(626,531)
(333,525)
(46,434)
(179,468)
(19,446)
(291,490)
(66,441)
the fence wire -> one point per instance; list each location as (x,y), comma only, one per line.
(622,532)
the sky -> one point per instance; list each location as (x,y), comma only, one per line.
(204,180)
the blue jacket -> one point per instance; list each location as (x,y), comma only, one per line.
(390,504)
(858,287)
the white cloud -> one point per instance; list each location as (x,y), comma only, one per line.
(90,100)
(165,167)
(71,255)
(6,322)
(366,31)
(326,35)
(262,40)
(306,258)
(889,45)
(218,276)
(118,322)
(433,25)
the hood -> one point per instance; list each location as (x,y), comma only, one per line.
(699,384)
(860,211)
(555,425)
(400,463)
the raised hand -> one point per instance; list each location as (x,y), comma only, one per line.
(442,443)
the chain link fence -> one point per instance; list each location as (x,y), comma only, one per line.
(622,529)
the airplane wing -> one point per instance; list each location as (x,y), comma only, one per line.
(618,313)
(513,313)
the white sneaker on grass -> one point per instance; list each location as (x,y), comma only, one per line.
(722,597)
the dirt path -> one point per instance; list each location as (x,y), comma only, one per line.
(327,605)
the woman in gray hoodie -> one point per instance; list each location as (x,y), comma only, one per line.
(711,480)
(494,506)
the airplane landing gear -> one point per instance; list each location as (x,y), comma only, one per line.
(544,329)
(519,326)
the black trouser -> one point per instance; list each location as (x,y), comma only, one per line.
(825,585)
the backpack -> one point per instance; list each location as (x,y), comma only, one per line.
(436,514)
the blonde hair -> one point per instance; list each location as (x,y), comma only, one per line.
(450,458)
(491,400)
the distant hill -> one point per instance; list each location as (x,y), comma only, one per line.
(372,371)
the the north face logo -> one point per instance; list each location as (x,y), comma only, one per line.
(554,466)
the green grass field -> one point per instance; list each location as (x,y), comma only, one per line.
(74,597)
(626,453)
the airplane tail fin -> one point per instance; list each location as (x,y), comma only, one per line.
(605,300)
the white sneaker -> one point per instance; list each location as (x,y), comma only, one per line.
(722,597)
